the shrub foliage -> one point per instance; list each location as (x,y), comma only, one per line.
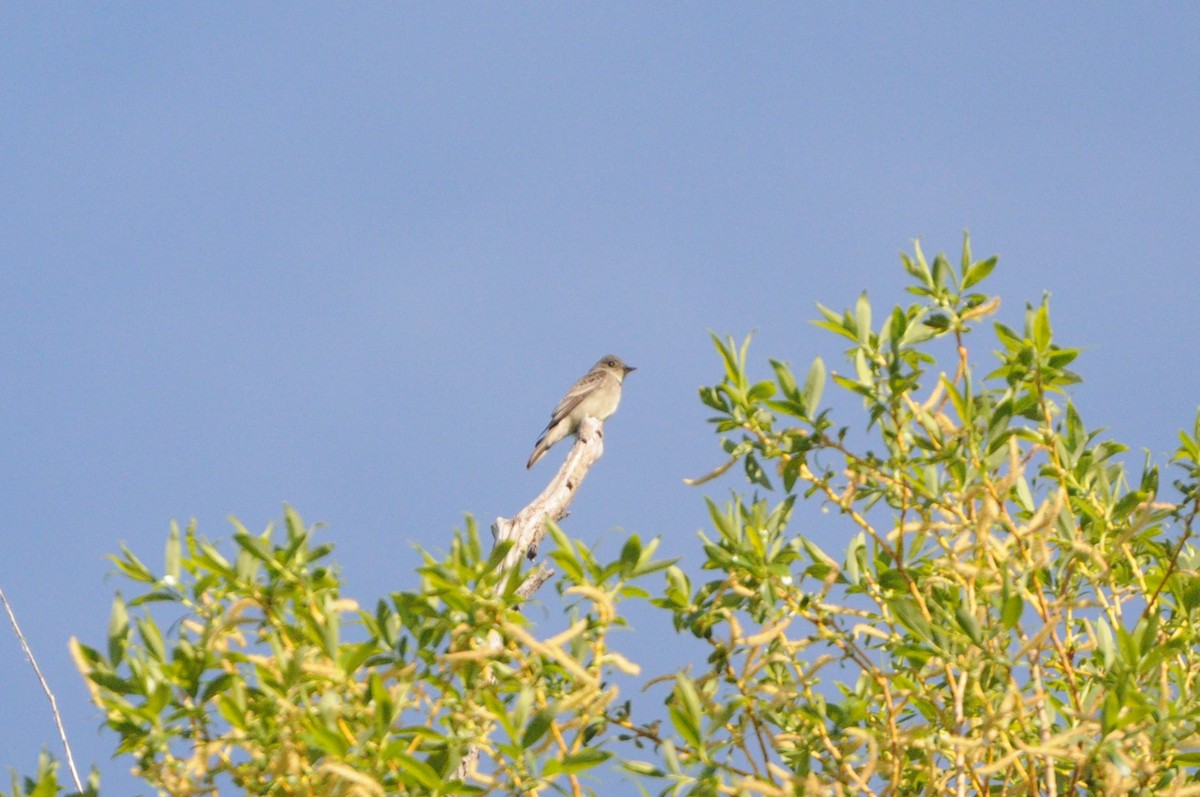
(979,598)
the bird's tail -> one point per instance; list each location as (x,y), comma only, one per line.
(539,449)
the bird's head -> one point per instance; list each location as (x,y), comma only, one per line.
(614,365)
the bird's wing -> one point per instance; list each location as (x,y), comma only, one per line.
(576,394)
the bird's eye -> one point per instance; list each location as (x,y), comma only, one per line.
(611,363)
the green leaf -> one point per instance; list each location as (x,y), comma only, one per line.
(419,771)
(1024,496)
(714,398)
(1041,327)
(862,369)
(113,683)
(787,382)
(909,615)
(642,768)
(921,269)
(943,273)
(585,759)
(170,594)
(862,318)
(742,352)
(118,630)
(938,322)
(978,272)
(211,559)
(724,522)
(132,567)
(761,392)
(1010,612)
(173,553)
(726,354)
(631,552)
(564,554)
(671,757)
(152,638)
(678,582)
(1109,653)
(537,727)
(814,386)
(755,472)
(685,712)
(851,385)
(216,686)
(968,623)
(917,332)
(855,551)
(295,526)
(1127,504)
(837,323)
(1008,338)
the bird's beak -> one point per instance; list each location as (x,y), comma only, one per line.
(629,368)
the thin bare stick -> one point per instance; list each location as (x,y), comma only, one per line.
(62,733)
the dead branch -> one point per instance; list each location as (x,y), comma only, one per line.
(527,528)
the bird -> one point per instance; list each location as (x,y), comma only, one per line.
(595,395)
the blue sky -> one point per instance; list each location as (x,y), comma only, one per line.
(348,257)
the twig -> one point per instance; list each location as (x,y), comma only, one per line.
(62,733)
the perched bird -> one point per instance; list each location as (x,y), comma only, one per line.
(596,395)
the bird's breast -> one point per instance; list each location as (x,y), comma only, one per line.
(602,402)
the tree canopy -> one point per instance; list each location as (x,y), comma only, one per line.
(1011,608)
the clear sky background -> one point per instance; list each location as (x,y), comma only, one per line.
(348,257)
